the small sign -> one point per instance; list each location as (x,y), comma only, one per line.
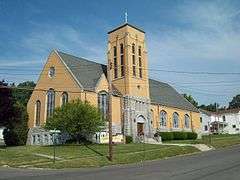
(55,131)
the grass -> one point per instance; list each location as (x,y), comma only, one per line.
(217,141)
(75,156)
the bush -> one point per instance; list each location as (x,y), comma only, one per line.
(191,135)
(129,139)
(180,135)
(166,136)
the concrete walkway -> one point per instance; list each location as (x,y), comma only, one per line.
(201,147)
(47,156)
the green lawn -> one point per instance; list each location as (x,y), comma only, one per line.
(217,141)
(74,156)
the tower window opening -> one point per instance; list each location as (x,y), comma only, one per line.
(140,72)
(115,68)
(134,65)
(115,51)
(139,51)
(134,70)
(121,48)
(122,60)
(133,48)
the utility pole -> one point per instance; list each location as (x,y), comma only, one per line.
(110,144)
(217,117)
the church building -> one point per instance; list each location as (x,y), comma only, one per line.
(140,105)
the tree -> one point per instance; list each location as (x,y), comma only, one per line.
(23,95)
(16,130)
(6,104)
(76,118)
(191,100)
(13,116)
(235,103)
(211,107)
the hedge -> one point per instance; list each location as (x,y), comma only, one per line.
(191,135)
(168,136)
(129,139)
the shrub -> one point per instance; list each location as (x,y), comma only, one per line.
(166,136)
(191,135)
(129,139)
(180,135)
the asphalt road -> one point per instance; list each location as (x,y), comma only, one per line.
(221,164)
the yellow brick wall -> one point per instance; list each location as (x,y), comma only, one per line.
(194,117)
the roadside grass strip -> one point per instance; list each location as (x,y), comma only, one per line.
(212,141)
(76,156)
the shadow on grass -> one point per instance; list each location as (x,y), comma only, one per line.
(99,153)
(2,147)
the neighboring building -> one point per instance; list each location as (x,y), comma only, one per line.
(205,120)
(221,122)
(1,135)
(139,105)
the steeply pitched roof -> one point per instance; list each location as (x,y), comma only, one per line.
(88,74)
(164,94)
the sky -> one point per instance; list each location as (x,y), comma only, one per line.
(182,36)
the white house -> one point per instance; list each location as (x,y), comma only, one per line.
(221,122)
(205,120)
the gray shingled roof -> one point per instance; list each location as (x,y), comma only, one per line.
(88,73)
(164,94)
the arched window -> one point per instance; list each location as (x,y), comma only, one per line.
(133,48)
(152,116)
(37,113)
(115,63)
(103,103)
(187,121)
(122,60)
(139,51)
(50,102)
(121,48)
(175,120)
(64,98)
(163,118)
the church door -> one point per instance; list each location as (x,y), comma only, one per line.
(140,129)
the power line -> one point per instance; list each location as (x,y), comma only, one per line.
(68,89)
(149,69)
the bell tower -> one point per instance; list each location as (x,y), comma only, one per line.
(127,56)
(127,59)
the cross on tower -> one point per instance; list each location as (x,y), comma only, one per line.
(126,17)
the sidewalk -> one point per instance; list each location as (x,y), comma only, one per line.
(201,147)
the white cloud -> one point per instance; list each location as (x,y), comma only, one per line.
(63,37)
(208,32)
(204,36)
(17,63)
